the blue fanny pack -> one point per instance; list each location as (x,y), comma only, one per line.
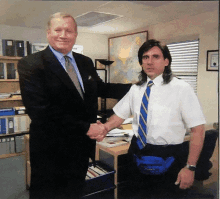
(153,165)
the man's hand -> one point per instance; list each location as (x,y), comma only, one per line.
(97,131)
(185,178)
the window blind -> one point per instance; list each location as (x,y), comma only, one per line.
(185,61)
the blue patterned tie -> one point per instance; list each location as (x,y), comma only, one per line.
(142,128)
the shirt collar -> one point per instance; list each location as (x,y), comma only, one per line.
(70,55)
(157,81)
(60,55)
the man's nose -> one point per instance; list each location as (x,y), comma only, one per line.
(63,33)
(150,60)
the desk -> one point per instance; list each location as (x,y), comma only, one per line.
(115,152)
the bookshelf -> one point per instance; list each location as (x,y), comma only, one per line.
(9,83)
(8,136)
(11,102)
(8,68)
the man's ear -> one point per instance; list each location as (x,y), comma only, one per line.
(167,62)
(48,33)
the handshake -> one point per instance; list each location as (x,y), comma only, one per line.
(97,131)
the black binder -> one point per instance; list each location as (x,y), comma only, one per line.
(28,44)
(10,125)
(19,48)
(11,72)
(8,47)
(2,71)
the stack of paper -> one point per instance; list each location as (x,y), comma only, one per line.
(120,132)
(5,95)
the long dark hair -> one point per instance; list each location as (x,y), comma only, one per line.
(167,73)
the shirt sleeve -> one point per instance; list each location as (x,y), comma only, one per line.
(123,108)
(191,109)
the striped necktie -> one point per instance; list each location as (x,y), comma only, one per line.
(142,128)
(72,74)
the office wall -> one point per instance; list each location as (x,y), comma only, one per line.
(95,46)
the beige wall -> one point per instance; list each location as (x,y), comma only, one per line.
(95,45)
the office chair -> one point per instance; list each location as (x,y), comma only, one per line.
(204,164)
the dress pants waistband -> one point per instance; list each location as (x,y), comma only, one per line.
(163,151)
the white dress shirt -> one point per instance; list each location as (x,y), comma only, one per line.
(172,108)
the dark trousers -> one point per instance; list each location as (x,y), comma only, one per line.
(58,187)
(156,186)
(58,181)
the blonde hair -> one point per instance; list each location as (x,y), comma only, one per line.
(60,15)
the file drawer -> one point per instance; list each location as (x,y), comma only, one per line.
(99,178)
(104,194)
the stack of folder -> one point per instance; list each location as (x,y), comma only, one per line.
(18,48)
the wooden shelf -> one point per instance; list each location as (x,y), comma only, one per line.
(13,134)
(9,85)
(14,98)
(11,102)
(17,115)
(5,58)
(9,80)
(11,155)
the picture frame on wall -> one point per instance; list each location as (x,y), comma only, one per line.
(123,50)
(78,49)
(98,65)
(36,47)
(212,60)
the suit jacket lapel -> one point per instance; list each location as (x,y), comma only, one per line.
(84,74)
(55,66)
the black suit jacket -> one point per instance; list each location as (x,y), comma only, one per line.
(60,117)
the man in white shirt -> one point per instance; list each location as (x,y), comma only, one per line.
(172,108)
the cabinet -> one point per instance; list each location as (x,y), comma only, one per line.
(8,68)
(9,83)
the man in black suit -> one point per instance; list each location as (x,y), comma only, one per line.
(63,131)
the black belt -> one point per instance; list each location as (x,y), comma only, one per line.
(163,151)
